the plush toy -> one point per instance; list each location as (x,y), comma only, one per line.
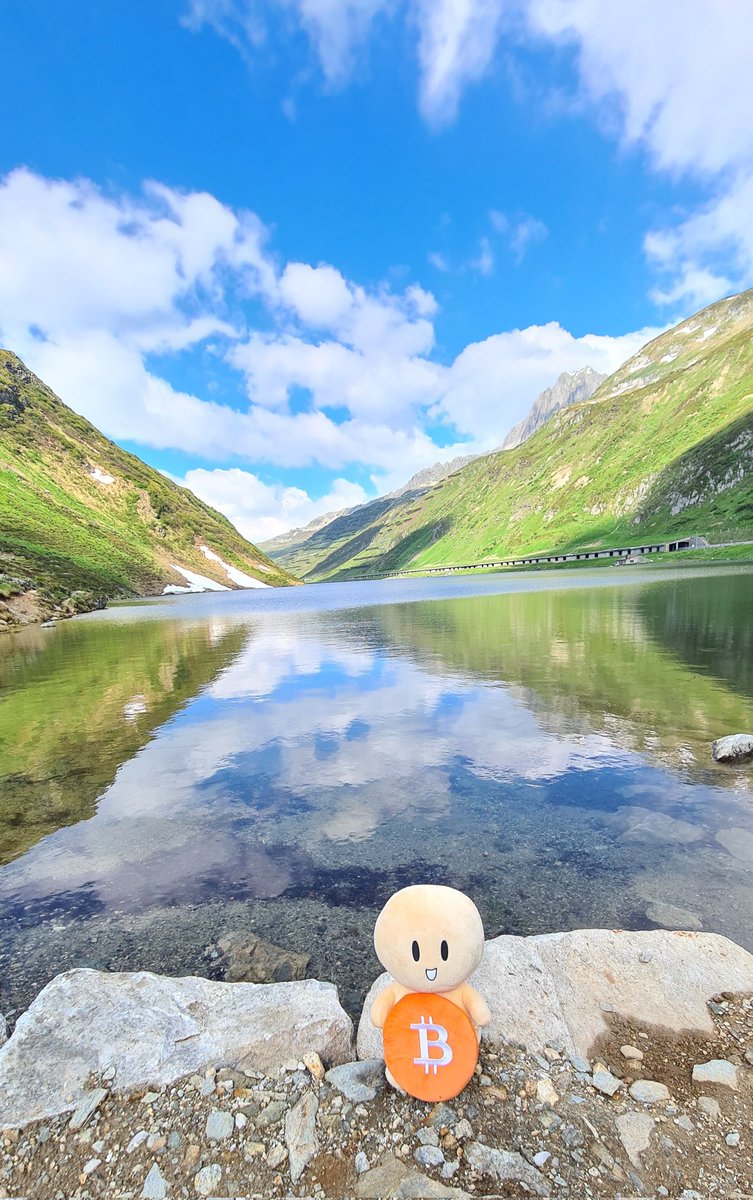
(430,939)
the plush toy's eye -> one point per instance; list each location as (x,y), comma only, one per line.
(416,951)
(444,950)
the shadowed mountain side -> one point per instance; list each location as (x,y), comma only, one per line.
(593,661)
(108,694)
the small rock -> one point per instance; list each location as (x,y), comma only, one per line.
(631,1052)
(277,1155)
(151,1097)
(273,1113)
(733,1138)
(220,1125)
(684,1122)
(604,1081)
(429,1156)
(358,1081)
(463,1130)
(635,1129)
(449,1169)
(428,1137)
(154,1187)
(646,1091)
(88,1104)
(361,1163)
(136,1141)
(93,1163)
(710,1107)
(507,1166)
(540,1159)
(736,747)
(314,1065)
(581,1065)
(173,1140)
(717,1070)
(248,958)
(241,1120)
(441,1115)
(300,1134)
(545,1093)
(208,1180)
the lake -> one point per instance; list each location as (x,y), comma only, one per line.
(282,761)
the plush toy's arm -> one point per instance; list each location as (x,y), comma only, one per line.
(382,1005)
(476,1006)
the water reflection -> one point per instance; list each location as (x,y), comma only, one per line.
(548,752)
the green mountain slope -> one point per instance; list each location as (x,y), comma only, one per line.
(79,513)
(663,447)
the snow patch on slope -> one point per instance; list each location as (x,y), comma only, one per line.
(101,476)
(196,583)
(233,574)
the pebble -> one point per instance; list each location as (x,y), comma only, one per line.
(136,1141)
(87,1105)
(646,1091)
(155,1187)
(361,1163)
(314,1065)
(277,1155)
(442,1115)
(358,1081)
(685,1123)
(220,1125)
(540,1159)
(208,1180)
(604,1081)
(733,1138)
(631,1052)
(429,1156)
(710,1107)
(428,1137)
(545,1093)
(717,1070)
(463,1129)
(273,1113)
(581,1065)
(449,1169)
(93,1163)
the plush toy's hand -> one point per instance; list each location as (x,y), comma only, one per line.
(476,1006)
(382,1005)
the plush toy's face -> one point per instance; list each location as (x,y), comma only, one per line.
(429,938)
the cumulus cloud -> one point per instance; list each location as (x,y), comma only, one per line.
(93,286)
(673,79)
(260,510)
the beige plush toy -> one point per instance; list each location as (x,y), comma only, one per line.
(431,939)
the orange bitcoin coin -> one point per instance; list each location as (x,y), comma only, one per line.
(430,1046)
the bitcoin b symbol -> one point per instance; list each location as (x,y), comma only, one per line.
(426,1045)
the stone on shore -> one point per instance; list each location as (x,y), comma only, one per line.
(718,1071)
(506,1166)
(358,1081)
(300,1134)
(635,1129)
(647,1091)
(152,1029)
(155,1187)
(391,1177)
(736,747)
(557,989)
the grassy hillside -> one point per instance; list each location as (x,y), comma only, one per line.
(664,447)
(79,513)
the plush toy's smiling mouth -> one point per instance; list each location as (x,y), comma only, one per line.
(431,974)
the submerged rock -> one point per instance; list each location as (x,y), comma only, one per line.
(672,916)
(737,747)
(559,989)
(153,1030)
(248,958)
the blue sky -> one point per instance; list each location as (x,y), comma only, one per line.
(292,251)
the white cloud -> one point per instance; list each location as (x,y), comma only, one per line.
(336,374)
(261,510)
(457,40)
(438,261)
(492,383)
(674,78)
(484,263)
(519,231)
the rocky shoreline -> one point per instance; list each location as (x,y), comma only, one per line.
(139,1086)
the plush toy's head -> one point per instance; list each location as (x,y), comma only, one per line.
(429,938)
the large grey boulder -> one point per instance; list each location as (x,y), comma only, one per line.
(151,1030)
(555,989)
(737,747)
